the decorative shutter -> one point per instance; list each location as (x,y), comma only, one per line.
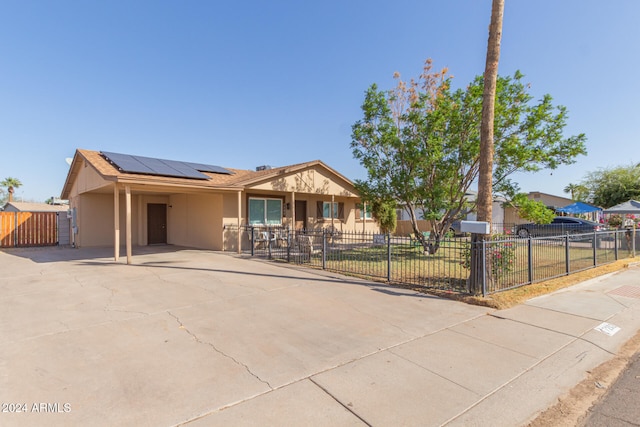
(319,210)
(341,210)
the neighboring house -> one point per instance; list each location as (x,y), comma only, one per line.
(404,223)
(143,201)
(504,216)
(550,201)
(42,227)
(33,207)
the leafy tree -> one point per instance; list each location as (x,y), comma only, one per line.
(420,144)
(384,211)
(609,187)
(532,210)
(11,184)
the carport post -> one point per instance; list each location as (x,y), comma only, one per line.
(364,217)
(116,222)
(332,213)
(127,191)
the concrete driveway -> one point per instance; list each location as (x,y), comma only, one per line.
(196,337)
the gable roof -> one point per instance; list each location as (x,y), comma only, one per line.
(34,207)
(237,179)
(161,167)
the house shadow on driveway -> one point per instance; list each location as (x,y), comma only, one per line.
(312,275)
(68,253)
(169,257)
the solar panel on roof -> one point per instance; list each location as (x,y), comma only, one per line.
(126,163)
(208,168)
(185,169)
(152,166)
(170,168)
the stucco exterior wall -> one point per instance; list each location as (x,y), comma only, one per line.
(549,199)
(94,212)
(312,181)
(88,180)
(195,220)
(230,209)
(511,216)
(95,220)
(177,219)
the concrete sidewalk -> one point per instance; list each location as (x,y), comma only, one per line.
(197,338)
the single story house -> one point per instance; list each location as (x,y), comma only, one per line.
(551,201)
(141,201)
(404,226)
(33,224)
(33,207)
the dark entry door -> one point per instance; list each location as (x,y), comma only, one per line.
(156,223)
(301,214)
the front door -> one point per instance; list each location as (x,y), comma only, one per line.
(156,223)
(301,214)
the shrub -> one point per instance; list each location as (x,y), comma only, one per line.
(615,221)
(501,256)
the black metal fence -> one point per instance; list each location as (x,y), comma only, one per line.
(508,262)
(514,262)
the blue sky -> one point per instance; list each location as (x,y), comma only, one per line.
(246,83)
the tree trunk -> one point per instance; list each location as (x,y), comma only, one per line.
(485,177)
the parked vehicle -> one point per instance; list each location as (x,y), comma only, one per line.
(559,226)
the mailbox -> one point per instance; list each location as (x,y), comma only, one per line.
(475,227)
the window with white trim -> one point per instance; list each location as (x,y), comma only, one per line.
(327,209)
(364,214)
(265,211)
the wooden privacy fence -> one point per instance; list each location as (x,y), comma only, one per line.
(20,229)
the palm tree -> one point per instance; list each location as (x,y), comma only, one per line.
(485,174)
(11,184)
(571,189)
(577,191)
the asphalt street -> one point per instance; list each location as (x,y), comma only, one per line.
(620,406)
